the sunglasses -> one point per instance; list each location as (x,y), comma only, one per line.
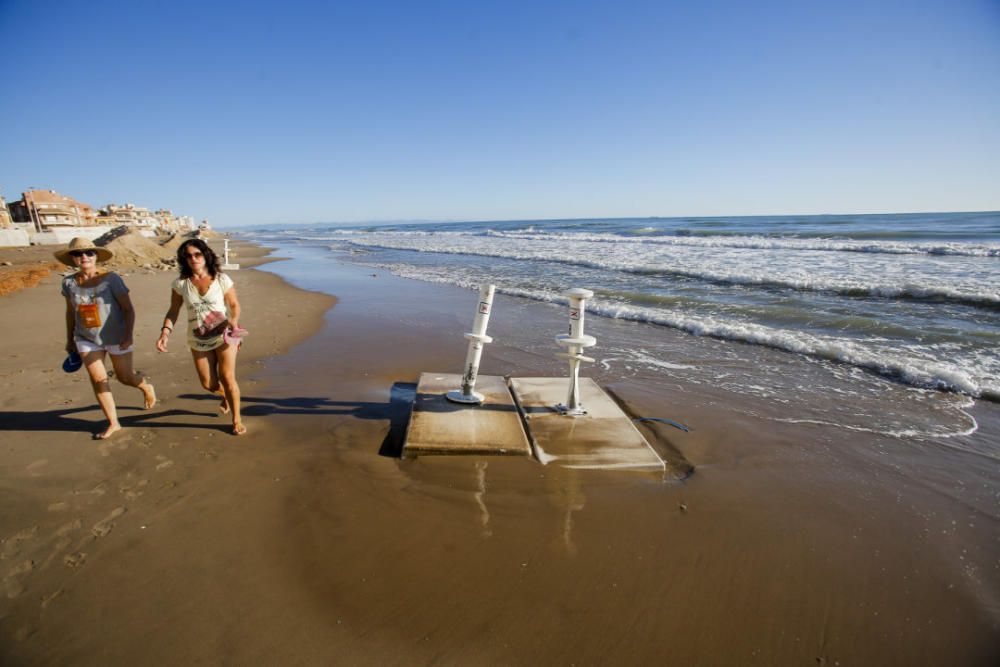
(83,253)
(193,255)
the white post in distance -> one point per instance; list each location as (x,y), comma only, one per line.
(468,394)
(575,343)
(226,266)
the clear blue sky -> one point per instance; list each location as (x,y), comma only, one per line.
(290,112)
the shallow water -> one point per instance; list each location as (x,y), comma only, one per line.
(855,541)
(883,324)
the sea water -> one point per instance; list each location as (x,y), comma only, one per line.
(903,309)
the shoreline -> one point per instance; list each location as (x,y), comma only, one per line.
(789,543)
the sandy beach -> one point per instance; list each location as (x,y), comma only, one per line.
(309,541)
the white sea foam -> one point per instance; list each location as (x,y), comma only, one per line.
(773,243)
(750,242)
(907,365)
(887,277)
(906,433)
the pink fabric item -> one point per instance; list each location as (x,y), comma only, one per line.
(234,336)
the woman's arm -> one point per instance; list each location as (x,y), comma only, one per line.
(70,325)
(129,312)
(234,307)
(176,300)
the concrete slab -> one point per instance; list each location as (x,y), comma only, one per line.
(603,438)
(438,426)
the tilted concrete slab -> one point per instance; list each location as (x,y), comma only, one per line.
(603,438)
(438,426)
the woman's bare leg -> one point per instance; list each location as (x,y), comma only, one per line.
(127,376)
(227,376)
(94,361)
(206,364)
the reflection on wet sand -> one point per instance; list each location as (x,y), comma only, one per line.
(480,496)
(569,495)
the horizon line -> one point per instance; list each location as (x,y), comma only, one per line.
(443,221)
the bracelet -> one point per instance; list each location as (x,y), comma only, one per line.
(167,328)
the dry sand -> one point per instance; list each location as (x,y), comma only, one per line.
(309,542)
(25,267)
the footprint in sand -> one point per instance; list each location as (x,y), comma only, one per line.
(12,582)
(131,491)
(34,467)
(105,525)
(47,600)
(58,507)
(119,443)
(98,490)
(164,462)
(57,549)
(12,545)
(74,560)
(68,527)
(12,588)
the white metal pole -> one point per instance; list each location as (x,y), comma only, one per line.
(575,343)
(477,338)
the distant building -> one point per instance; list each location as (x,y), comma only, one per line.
(116,215)
(135,216)
(6,222)
(171,223)
(146,218)
(47,209)
(165,220)
(50,217)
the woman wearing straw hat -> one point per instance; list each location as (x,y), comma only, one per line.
(99,321)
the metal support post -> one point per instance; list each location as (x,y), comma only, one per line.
(478,337)
(575,343)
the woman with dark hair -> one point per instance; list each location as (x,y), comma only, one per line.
(213,313)
(99,321)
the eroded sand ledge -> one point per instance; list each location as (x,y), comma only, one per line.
(307,542)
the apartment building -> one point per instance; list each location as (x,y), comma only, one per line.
(47,210)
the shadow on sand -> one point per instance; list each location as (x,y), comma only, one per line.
(396,411)
(59,421)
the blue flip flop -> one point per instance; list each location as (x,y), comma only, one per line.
(72,363)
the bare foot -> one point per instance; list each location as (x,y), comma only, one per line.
(108,432)
(239,428)
(150,393)
(224,406)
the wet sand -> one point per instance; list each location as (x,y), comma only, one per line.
(309,542)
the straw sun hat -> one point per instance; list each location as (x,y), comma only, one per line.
(80,243)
